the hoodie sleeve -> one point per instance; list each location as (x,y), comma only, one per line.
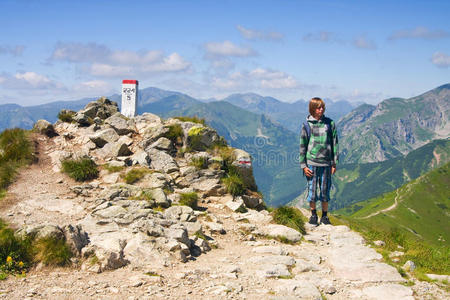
(303,147)
(335,143)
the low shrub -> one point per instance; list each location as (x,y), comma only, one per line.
(289,216)
(135,175)
(234,184)
(189,199)
(194,119)
(175,134)
(52,252)
(82,169)
(15,252)
(15,146)
(66,116)
(15,151)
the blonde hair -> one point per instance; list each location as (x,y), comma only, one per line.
(315,103)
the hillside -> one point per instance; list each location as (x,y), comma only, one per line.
(358,182)
(420,208)
(289,115)
(395,126)
(140,240)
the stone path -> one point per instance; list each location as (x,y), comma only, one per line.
(330,262)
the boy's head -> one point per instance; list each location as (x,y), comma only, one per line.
(316,107)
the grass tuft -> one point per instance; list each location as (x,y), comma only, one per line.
(199,162)
(135,175)
(82,169)
(52,252)
(290,217)
(234,184)
(194,119)
(15,151)
(189,199)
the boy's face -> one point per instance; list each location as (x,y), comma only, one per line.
(318,112)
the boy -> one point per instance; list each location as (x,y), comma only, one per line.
(318,157)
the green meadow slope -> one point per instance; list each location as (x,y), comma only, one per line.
(419,209)
(354,183)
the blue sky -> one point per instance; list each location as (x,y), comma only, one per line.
(353,50)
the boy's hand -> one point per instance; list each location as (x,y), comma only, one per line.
(307,172)
(333,170)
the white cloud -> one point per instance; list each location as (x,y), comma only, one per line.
(172,63)
(251,34)
(419,33)
(274,79)
(441,59)
(227,48)
(29,81)
(12,50)
(363,43)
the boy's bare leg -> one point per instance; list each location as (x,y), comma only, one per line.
(324,206)
(312,205)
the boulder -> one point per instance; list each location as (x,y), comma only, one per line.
(120,124)
(282,231)
(161,161)
(76,238)
(200,137)
(140,157)
(102,137)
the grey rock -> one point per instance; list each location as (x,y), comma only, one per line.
(76,238)
(120,124)
(111,212)
(180,212)
(178,233)
(160,198)
(388,291)
(141,157)
(104,136)
(267,270)
(409,266)
(162,161)
(300,288)
(276,250)
(282,231)
(163,144)
(236,204)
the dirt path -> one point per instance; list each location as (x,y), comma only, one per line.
(331,260)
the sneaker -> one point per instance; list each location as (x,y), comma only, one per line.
(313,220)
(325,220)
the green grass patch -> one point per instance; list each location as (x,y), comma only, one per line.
(200,235)
(290,217)
(194,119)
(189,199)
(135,175)
(82,169)
(200,162)
(113,169)
(234,184)
(16,150)
(52,252)
(175,133)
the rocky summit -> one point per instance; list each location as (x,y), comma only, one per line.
(143,240)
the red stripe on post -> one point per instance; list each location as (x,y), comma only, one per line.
(130,81)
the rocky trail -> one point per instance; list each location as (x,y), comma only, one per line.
(146,254)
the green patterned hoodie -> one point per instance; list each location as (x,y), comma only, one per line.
(322,149)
